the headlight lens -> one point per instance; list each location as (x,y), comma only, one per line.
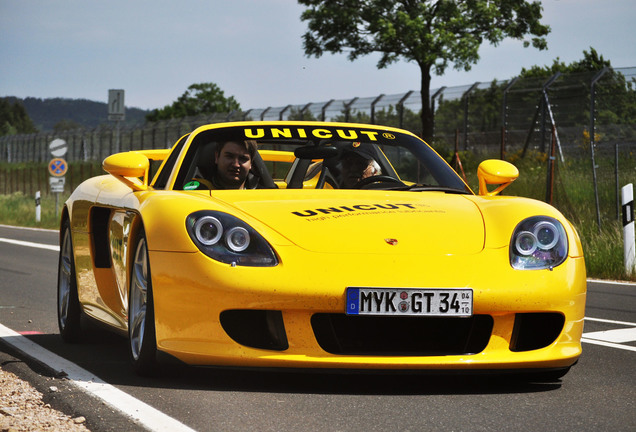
(208,230)
(241,244)
(237,239)
(538,242)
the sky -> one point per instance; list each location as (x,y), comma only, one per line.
(252,49)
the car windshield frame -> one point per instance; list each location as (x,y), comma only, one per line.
(388,144)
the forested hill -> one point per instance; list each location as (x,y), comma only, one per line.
(46,113)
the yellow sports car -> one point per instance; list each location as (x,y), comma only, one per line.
(319,245)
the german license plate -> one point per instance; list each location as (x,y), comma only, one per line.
(421,302)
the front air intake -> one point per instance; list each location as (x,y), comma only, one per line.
(401,336)
(535,330)
(263,329)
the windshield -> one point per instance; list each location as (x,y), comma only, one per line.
(324,156)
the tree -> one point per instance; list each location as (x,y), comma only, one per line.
(14,119)
(432,34)
(203,98)
(591,62)
(65,125)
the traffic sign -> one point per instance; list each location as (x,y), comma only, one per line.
(58,167)
(116,107)
(57,184)
(58,147)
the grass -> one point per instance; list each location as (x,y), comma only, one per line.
(573,196)
(18,209)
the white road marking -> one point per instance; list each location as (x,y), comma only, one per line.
(28,228)
(611,321)
(139,411)
(612,338)
(610,282)
(30,244)
(608,344)
(616,335)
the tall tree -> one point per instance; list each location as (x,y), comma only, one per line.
(433,34)
(14,119)
(203,98)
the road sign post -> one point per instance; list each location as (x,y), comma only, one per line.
(116,111)
(57,169)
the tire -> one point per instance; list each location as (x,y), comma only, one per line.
(68,308)
(142,342)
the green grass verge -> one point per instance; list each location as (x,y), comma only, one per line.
(19,210)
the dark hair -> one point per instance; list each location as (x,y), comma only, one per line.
(249,145)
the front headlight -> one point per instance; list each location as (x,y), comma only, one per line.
(229,240)
(538,242)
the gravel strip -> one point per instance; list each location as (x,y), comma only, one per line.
(22,409)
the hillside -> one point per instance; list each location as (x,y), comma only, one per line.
(46,113)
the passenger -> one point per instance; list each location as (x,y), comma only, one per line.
(233,161)
(357,166)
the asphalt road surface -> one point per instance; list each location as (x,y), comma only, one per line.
(597,395)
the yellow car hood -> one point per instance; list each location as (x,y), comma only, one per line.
(368,221)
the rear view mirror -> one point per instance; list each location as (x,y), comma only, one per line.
(494,171)
(315,152)
(128,168)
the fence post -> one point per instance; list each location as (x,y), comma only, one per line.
(465,96)
(373,104)
(616,173)
(435,95)
(347,108)
(504,102)
(323,110)
(593,143)
(303,109)
(400,107)
(282,112)
(550,180)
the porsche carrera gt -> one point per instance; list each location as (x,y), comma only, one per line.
(347,246)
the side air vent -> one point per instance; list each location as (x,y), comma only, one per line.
(99,218)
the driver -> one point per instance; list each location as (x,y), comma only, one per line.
(232,162)
(356,165)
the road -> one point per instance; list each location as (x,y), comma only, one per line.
(598,393)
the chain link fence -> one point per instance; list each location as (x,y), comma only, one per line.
(589,118)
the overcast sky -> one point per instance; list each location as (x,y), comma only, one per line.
(252,49)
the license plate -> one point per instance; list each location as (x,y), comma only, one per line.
(419,302)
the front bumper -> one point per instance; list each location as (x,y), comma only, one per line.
(192,293)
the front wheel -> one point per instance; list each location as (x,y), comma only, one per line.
(68,307)
(142,341)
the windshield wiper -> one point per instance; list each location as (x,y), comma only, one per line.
(425,187)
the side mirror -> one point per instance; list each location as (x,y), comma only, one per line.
(494,171)
(131,168)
